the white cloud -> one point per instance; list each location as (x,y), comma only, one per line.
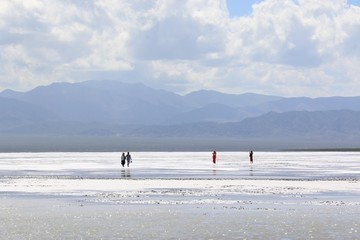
(296,42)
(302,47)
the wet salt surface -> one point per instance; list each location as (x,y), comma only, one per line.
(54,219)
(282,195)
(267,165)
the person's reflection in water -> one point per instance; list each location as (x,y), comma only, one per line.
(214,170)
(125,173)
(251,171)
(128,173)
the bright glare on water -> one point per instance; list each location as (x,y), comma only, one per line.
(231,206)
(267,165)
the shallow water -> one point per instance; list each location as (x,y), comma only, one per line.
(53,219)
(91,196)
(267,165)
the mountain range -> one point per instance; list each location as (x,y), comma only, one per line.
(113,108)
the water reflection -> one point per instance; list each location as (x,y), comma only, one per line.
(125,173)
(287,165)
(214,170)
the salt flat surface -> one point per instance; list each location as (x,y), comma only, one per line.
(172,195)
(235,165)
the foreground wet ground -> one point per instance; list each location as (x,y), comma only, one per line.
(66,219)
(180,196)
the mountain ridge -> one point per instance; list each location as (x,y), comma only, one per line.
(117,109)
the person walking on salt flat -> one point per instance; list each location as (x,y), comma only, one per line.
(123,157)
(128,159)
(214,157)
(251,156)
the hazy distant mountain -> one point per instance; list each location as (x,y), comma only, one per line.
(204,98)
(112,108)
(311,104)
(117,102)
(219,107)
(14,113)
(301,123)
(295,124)
(103,101)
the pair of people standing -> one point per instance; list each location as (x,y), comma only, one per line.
(126,158)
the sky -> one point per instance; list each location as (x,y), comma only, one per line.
(285,48)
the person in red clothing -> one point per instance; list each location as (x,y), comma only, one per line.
(214,157)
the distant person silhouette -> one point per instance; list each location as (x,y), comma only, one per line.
(214,157)
(123,158)
(251,153)
(128,159)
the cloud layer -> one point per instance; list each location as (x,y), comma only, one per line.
(291,48)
